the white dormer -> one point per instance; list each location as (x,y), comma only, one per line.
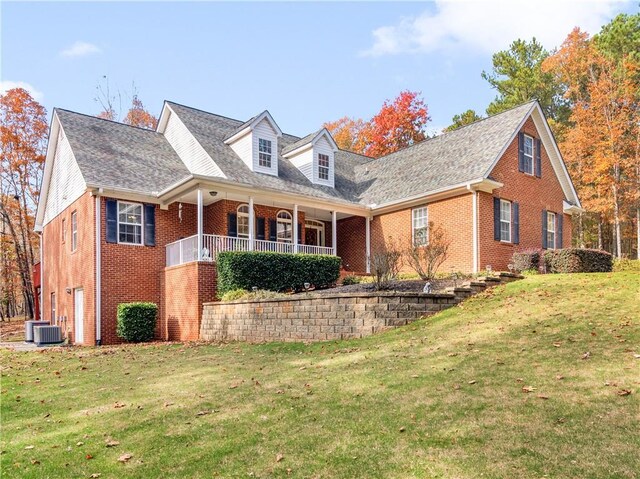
(314,155)
(256,143)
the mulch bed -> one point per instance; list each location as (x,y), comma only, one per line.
(403,286)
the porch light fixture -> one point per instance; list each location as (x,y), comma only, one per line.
(68,290)
(427,287)
(307,286)
(213,194)
(254,288)
(489,269)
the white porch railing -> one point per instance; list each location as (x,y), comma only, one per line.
(186,249)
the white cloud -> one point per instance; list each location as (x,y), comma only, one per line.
(80,49)
(489,26)
(8,85)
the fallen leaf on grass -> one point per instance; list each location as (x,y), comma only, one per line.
(542,396)
(586,355)
(203,413)
(80,443)
(473,381)
(623,392)
(88,456)
(112,443)
(528,389)
(233,386)
(168,403)
(35,462)
(279,457)
(125,457)
(118,405)
(29,447)
(95,475)
(402,429)
(559,377)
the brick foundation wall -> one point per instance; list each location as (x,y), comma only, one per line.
(533,195)
(64,269)
(185,288)
(320,318)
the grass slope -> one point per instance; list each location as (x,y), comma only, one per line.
(440,398)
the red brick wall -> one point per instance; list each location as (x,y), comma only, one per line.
(533,195)
(453,215)
(184,289)
(64,269)
(133,272)
(351,245)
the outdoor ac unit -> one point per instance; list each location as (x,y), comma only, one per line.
(28,329)
(47,335)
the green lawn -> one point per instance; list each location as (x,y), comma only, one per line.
(440,398)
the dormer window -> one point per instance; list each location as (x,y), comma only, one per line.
(264,153)
(323,166)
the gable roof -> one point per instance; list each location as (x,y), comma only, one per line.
(251,123)
(114,155)
(463,155)
(311,138)
(212,131)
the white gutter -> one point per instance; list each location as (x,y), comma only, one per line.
(98,272)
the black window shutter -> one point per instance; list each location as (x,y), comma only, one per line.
(299,233)
(112,221)
(559,230)
(496,219)
(232,225)
(149,225)
(538,165)
(273,230)
(544,229)
(260,228)
(520,151)
(515,222)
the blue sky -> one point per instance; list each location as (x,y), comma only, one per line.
(306,63)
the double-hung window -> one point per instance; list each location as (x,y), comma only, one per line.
(420,226)
(284,227)
(323,166)
(243,221)
(264,153)
(505,221)
(528,155)
(551,230)
(74,230)
(129,222)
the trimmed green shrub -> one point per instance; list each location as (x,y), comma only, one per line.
(575,260)
(243,295)
(526,260)
(348,280)
(626,265)
(137,321)
(275,271)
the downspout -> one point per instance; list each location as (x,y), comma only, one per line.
(474,197)
(98,281)
(41,235)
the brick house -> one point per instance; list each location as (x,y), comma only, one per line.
(128,214)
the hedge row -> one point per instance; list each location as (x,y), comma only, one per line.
(575,260)
(136,321)
(526,260)
(274,271)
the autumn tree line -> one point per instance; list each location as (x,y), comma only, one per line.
(589,90)
(588,87)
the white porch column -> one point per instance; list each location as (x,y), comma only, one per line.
(252,228)
(367,230)
(200,224)
(295,228)
(334,232)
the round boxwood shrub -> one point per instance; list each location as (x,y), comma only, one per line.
(137,321)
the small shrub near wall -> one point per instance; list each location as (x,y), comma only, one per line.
(137,321)
(526,260)
(275,271)
(574,260)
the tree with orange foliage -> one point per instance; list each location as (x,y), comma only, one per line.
(111,104)
(603,135)
(138,116)
(349,133)
(399,123)
(23,136)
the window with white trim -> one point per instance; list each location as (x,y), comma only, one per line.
(420,226)
(551,230)
(243,221)
(528,155)
(284,227)
(74,230)
(264,153)
(505,221)
(129,222)
(323,166)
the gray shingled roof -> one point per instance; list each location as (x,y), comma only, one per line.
(112,154)
(449,159)
(211,130)
(300,142)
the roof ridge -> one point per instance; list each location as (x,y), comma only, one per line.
(57,108)
(208,112)
(486,118)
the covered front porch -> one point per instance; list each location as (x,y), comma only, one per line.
(228,220)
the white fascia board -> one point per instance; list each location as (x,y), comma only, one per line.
(300,149)
(242,133)
(570,209)
(264,115)
(324,132)
(164,118)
